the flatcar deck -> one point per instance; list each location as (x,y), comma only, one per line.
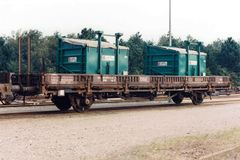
(80,90)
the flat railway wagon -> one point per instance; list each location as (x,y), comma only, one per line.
(81,90)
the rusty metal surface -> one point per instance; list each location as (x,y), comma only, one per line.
(5,90)
(25,84)
(5,85)
(133,83)
(35,79)
(72,79)
(86,83)
(5,77)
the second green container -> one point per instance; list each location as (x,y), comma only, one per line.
(174,61)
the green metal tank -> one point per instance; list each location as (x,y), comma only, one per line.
(91,57)
(175,61)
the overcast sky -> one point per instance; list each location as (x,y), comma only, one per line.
(205,20)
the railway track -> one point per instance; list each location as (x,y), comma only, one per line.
(46,108)
(32,104)
(40,101)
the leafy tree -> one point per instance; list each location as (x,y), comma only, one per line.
(2,41)
(136,56)
(235,77)
(208,72)
(50,59)
(5,54)
(190,38)
(176,42)
(72,35)
(12,66)
(230,55)
(150,42)
(122,42)
(213,50)
(36,43)
(40,47)
(89,34)
(163,41)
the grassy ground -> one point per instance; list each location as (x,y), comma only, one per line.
(221,146)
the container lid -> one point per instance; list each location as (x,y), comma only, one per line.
(182,50)
(89,43)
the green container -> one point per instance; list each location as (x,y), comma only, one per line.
(82,56)
(174,61)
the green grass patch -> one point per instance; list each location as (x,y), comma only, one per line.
(224,145)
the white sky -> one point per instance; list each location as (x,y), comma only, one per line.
(205,20)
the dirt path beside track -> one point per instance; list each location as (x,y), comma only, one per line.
(50,134)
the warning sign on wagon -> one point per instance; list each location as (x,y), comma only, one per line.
(72,59)
(194,63)
(108,58)
(162,63)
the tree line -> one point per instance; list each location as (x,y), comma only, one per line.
(223,57)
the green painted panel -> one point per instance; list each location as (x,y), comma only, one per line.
(86,60)
(108,61)
(203,65)
(91,61)
(70,58)
(123,62)
(172,61)
(161,62)
(193,65)
(182,65)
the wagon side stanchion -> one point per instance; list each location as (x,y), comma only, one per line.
(210,88)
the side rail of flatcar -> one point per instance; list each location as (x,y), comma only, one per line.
(80,90)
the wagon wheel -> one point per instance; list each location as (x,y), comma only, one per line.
(62,103)
(178,98)
(82,104)
(197,98)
